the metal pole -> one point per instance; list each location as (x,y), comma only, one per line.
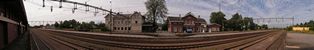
(60,4)
(43,3)
(219,5)
(111,17)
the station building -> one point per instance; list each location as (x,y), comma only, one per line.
(125,23)
(187,23)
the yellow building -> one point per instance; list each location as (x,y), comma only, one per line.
(301,29)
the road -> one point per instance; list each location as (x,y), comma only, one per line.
(300,41)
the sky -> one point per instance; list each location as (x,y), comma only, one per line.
(300,10)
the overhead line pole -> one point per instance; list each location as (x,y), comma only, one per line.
(111,17)
(87,5)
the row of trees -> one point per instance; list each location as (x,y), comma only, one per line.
(80,26)
(236,23)
(156,10)
(305,24)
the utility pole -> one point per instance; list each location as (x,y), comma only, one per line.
(43,3)
(111,17)
(219,5)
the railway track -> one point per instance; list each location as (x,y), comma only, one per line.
(45,41)
(99,41)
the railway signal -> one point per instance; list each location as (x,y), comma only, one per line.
(60,4)
(51,8)
(43,3)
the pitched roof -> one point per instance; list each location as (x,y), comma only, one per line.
(119,15)
(214,25)
(174,19)
(201,20)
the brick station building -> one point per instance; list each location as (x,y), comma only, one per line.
(181,24)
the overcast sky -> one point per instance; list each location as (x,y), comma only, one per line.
(301,10)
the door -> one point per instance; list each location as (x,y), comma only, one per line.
(2,33)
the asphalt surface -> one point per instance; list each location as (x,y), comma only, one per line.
(300,41)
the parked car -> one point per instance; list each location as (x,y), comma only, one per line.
(189,30)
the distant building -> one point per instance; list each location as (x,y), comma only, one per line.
(301,29)
(214,27)
(125,23)
(186,23)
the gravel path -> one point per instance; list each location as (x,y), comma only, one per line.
(300,41)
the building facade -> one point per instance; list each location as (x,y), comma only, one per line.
(214,27)
(301,29)
(13,22)
(186,23)
(125,23)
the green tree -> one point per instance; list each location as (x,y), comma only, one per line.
(217,17)
(103,27)
(165,26)
(92,24)
(264,26)
(73,23)
(248,23)
(47,24)
(236,22)
(84,27)
(156,9)
(56,25)
(65,24)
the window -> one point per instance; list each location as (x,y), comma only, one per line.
(122,22)
(114,28)
(129,28)
(118,28)
(135,21)
(125,22)
(125,28)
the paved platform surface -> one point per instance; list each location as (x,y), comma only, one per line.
(21,43)
(300,41)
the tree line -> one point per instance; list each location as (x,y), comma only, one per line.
(79,26)
(236,23)
(305,24)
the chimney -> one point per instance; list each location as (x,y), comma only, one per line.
(119,12)
(179,15)
(135,12)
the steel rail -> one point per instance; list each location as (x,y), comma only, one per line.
(151,43)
